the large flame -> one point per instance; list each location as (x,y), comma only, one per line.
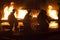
(53,25)
(52,13)
(22,13)
(7,11)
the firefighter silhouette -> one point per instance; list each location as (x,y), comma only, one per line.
(43,21)
(12,20)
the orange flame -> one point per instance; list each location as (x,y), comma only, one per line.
(53,25)
(35,13)
(7,11)
(52,13)
(22,13)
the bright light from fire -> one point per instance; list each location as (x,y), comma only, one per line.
(22,13)
(53,25)
(35,13)
(5,23)
(52,13)
(11,8)
(50,7)
(35,16)
(7,11)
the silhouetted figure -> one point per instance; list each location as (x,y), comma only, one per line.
(12,21)
(43,21)
(27,22)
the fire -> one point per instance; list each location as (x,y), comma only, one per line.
(52,13)
(5,23)
(35,16)
(11,8)
(22,13)
(7,11)
(53,25)
(35,13)
(50,7)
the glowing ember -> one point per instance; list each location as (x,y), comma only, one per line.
(53,24)
(22,13)
(52,13)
